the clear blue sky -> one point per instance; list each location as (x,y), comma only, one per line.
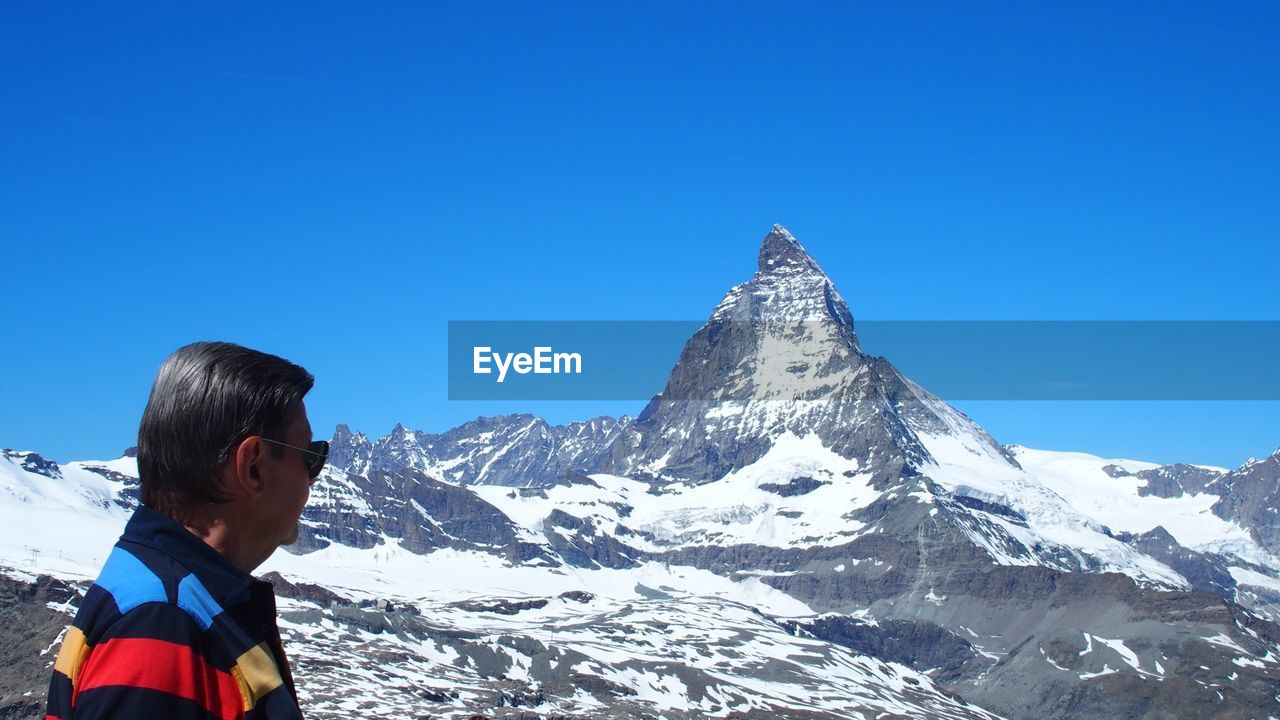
(334,183)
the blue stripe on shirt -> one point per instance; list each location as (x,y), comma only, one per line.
(129,582)
(197,601)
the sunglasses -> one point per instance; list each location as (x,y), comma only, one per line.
(313,456)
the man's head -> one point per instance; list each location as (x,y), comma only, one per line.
(210,408)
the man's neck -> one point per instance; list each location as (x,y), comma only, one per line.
(218,534)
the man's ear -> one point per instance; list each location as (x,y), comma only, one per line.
(246,466)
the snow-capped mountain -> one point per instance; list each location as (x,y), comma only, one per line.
(791,528)
(780,354)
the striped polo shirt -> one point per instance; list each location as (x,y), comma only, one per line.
(171,629)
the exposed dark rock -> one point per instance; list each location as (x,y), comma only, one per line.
(33,462)
(1170,481)
(993,508)
(796,486)
(585,545)
(425,514)
(305,591)
(1203,572)
(130,495)
(350,450)
(1116,471)
(501,606)
(29,631)
(1250,496)
(920,645)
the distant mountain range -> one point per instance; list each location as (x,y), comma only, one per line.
(789,529)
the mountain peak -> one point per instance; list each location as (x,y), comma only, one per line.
(780,250)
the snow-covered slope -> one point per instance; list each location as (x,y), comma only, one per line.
(61,519)
(476,629)
(587,656)
(1115,500)
(469,631)
(753,505)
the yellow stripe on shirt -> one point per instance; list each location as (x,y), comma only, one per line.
(256,674)
(71,656)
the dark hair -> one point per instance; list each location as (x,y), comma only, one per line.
(207,397)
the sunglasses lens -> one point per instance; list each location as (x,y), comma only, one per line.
(316,456)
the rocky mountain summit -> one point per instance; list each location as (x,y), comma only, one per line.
(780,354)
(1250,497)
(790,529)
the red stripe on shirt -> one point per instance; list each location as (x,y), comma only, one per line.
(164,666)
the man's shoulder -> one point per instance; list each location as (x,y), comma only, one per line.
(129,618)
(138,577)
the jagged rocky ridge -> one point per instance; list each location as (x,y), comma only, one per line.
(518,450)
(782,458)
